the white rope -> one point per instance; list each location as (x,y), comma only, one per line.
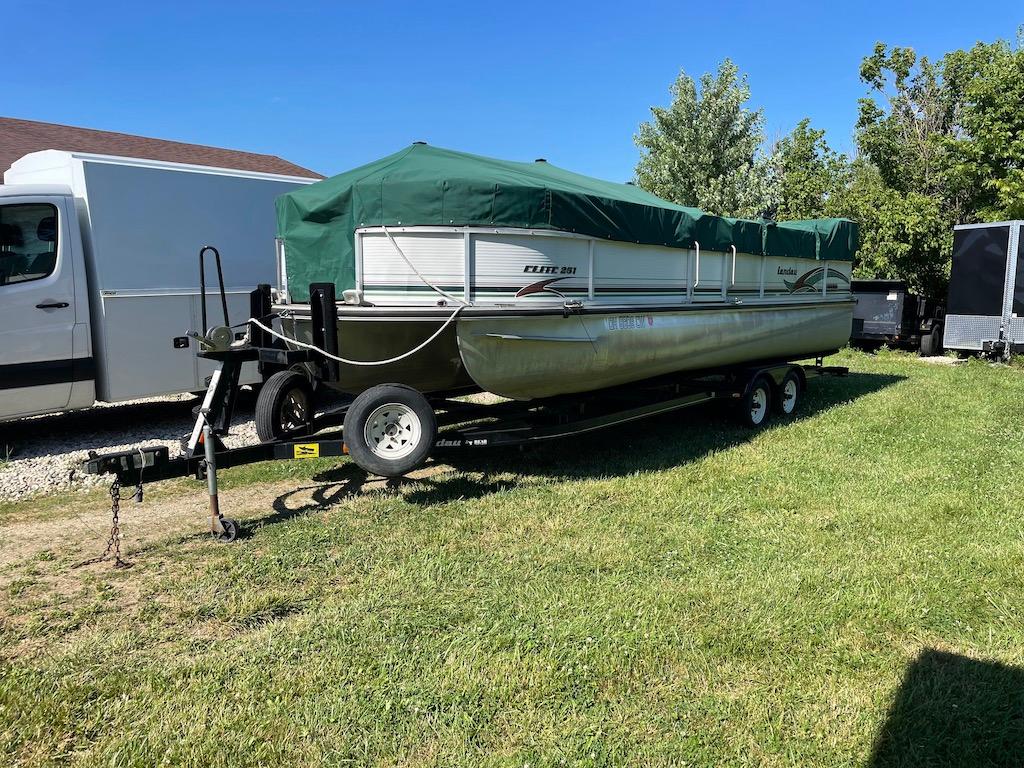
(426,282)
(461,302)
(412,351)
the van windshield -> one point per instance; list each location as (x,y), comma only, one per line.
(28,242)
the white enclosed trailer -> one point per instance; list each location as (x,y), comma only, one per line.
(99,280)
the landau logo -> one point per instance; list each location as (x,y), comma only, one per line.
(442,443)
(787,271)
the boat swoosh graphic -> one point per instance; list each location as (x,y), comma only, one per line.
(811,281)
(541,286)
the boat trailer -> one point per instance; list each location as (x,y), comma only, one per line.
(291,431)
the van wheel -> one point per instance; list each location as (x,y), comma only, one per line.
(786,397)
(390,430)
(755,405)
(284,406)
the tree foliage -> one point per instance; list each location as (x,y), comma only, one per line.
(703,150)
(987,157)
(903,235)
(902,125)
(939,143)
(809,173)
(946,141)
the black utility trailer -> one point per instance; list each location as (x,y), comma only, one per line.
(391,429)
(887,312)
(985,309)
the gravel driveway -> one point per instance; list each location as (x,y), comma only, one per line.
(42,454)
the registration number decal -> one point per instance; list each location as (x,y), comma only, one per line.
(629,322)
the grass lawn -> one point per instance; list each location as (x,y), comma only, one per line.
(842,589)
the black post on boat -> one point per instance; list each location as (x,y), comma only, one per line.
(260,308)
(324,315)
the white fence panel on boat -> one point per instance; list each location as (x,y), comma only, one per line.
(788,276)
(439,256)
(644,273)
(746,280)
(710,268)
(534,267)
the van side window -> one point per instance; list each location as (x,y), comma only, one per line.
(28,242)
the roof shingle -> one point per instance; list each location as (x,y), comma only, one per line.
(19,137)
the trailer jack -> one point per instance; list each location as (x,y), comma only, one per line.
(223,528)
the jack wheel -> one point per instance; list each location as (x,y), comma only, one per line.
(284,406)
(390,430)
(755,405)
(230,530)
(787,397)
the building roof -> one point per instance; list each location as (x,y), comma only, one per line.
(20,137)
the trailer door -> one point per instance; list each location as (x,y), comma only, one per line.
(979,270)
(37,309)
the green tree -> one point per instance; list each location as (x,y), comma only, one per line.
(942,144)
(903,235)
(903,193)
(903,125)
(809,173)
(987,157)
(703,150)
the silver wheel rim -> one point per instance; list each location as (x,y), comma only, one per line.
(392,431)
(789,393)
(758,404)
(294,410)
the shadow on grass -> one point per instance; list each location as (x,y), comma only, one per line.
(335,486)
(658,442)
(646,445)
(954,711)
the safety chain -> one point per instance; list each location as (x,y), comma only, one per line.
(114,542)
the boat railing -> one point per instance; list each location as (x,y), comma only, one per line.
(736,278)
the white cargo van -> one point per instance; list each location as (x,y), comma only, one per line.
(99,274)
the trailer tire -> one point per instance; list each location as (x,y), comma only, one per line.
(756,404)
(390,430)
(284,406)
(786,397)
(931,343)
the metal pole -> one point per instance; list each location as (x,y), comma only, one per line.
(696,275)
(211,477)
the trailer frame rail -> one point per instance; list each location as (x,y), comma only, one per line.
(464,425)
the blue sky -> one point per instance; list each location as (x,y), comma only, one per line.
(332,85)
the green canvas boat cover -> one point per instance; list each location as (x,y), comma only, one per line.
(429,186)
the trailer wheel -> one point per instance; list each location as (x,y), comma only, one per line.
(931,343)
(787,395)
(390,429)
(755,405)
(284,406)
